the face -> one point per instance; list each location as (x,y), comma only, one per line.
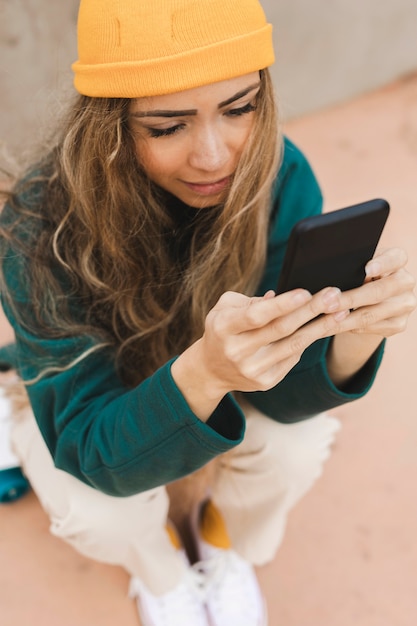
(189,143)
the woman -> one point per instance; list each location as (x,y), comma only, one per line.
(139,261)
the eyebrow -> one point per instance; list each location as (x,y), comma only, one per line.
(185,112)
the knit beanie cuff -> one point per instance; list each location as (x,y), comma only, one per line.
(138,48)
(192,68)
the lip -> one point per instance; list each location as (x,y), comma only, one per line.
(210,188)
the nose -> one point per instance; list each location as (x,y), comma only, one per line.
(209,150)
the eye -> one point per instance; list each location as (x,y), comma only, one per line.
(248,108)
(165,132)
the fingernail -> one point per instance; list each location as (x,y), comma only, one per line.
(341,315)
(301,297)
(331,298)
(373,268)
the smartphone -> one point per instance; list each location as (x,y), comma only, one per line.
(332,249)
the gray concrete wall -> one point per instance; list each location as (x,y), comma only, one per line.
(37,45)
(327,51)
(331,50)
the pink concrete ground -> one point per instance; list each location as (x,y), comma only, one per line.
(350,553)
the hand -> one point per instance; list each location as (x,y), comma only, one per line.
(250,344)
(384,303)
(380,308)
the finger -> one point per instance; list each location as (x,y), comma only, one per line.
(255,313)
(325,301)
(276,372)
(385,328)
(288,322)
(292,346)
(379,290)
(385,262)
(232,299)
(261,372)
(373,319)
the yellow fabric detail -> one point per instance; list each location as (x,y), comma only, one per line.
(213,528)
(174,537)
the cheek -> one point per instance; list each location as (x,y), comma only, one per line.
(154,161)
(242,136)
(250,127)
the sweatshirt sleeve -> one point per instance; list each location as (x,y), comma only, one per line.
(307,389)
(118,439)
(121,441)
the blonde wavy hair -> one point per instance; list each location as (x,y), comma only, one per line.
(99,238)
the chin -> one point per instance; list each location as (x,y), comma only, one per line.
(205,202)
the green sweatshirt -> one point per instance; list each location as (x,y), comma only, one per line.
(123,441)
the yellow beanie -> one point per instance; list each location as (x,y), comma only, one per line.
(134,48)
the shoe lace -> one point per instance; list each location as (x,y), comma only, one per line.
(228,583)
(186,600)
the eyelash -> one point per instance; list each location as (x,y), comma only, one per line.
(248,108)
(166,132)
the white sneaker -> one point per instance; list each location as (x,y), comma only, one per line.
(182,606)
(232,593)
(7,456)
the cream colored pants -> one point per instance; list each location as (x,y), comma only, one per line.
(255,487)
